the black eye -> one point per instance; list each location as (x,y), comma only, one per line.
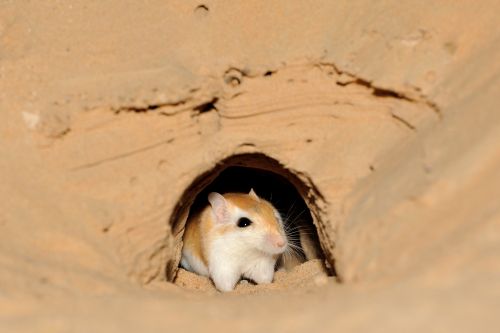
(244,222)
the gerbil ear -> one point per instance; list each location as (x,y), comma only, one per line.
(219,207)
(253,194)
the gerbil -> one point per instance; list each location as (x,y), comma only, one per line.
(237,235)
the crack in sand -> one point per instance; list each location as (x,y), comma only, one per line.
(233,76)
(285,108)
(403,121)
(123,155)
(384,92)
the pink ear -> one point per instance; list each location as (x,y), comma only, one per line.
(219,207)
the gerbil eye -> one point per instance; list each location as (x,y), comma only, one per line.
(244,222)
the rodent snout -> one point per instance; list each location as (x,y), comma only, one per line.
(276,240)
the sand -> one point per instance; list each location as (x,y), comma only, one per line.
(384,115)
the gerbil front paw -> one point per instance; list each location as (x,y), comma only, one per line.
(263,278)
(261,274)
(225,281)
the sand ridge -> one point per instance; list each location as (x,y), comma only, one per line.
(385,112)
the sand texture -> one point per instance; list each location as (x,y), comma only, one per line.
(383,114)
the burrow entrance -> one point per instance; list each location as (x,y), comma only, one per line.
(295,197)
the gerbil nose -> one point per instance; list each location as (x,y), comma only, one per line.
(276,240)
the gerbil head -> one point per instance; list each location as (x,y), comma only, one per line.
(248,221)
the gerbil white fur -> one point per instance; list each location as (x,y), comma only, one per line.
(221,244)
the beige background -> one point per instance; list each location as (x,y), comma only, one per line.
(388,109)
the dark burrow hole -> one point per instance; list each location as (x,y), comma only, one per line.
(273,188)
(270,181)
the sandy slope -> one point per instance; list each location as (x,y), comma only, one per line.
(387,112)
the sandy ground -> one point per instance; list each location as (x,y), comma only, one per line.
(385,113)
